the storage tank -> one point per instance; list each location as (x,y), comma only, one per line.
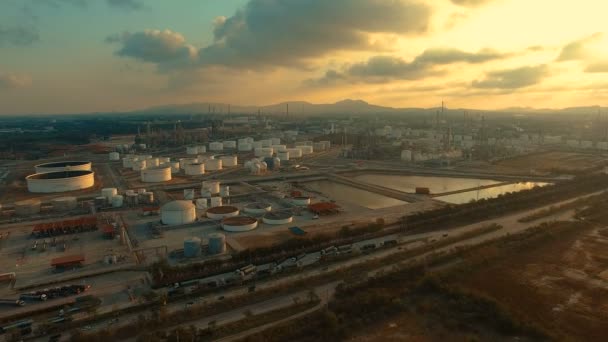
(146,197)
(301,200)
(266,142)
(213,164)
(27,207)
(114,156)
(229,161)
(178,212)
(239,223)
(63,166)
(174,167)
(327,144)
(229,144)
(216,201)
(127,162)
(201,204)
(318,146)
(306,149)
(406,155)
(157,174)
(64,203)
(225,191)
(294,152)
(278,217)
(192,247)
(189,194)
(100,201)
(256,144)
(191,150)
(117,201)
(245,147)
(132,198)
(216,146)
(201,149)
(217,243)
(164,160)
(257,208)
(212,186)
(279,148)
(218,213)
(283,156)
(152,162)
(139,165)
(60,181)
(275,141)
(196,169)
(263,152)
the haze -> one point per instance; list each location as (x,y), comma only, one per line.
(66,56)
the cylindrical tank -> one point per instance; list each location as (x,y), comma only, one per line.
(239,223)
(157,174)
(139,165)
(186,161)
(178,212)
(228,161)
(318,146)
(229,144)
(117,201)
(279,148)
(306,149)
(216,146)
(152,162)
(218,213)
(327,144)
(294,152)
(192,247)
(263,152)
(174,167)
(217,243)
(132,198)
(212,186)
(141,190)
(101,201)
(213,164)
(201,204)
(245,147)
(189,194)
(275,141)
(192,150)
(301,200)
(279,217)
(114,156)
(60,181)
(108,193)
(64,203)
(127,162)
(164,160)
(257,208)
(225,191)
(63,166)
(146,197)
(27,207)
(216,201)
(266,142)
(283,156)
(195,169)
(201,149)
(256,144)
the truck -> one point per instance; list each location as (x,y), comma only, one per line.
(345,249)
(329,251)
(246,272)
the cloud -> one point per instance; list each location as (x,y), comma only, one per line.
(597,67)
(289,32)
(379,69)
(470,3)
(577,49)
(131,5)
(13,81)
(166,48)
(513,78)
(18,36)
(59,3)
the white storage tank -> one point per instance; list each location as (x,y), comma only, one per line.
(192,247)
(256,144)
(108,193)
(189,194)
(294,152)
(406,155)
(263,152)
(275,141)
(229,144)
(217,243)
(211,186)
(216,201)
(306,149)
(266,142)
(283,156)
(301,200)
(164,160)
(127,162)
(185,161)
(257,208)
(152,162)
(139,165)
(117,201)
(218,213)
(201,204)
(157,174)
(114,156)
(279,148)
(213,164)
(174,167)
(191,150)
(216,146)
(318,146)
(178,212)
(245,147)
(229,161)
(239,223)
(64,203)
(277,217)
(195,169)
(225,191)
(61,181)
(201,149)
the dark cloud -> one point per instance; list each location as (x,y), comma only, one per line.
(12,81)
(577,49)
(513,78)
(18,35)
(385,68)
(288,32)
(470,3)
(131,5)
(166,48)
(597,67)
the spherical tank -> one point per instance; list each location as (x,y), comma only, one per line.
(228,161)
(217,243)
(213,164)
(27,207)
(61,181)
(239,223)
(178,212)
(157,174)
(63,166)
(114,156)
(192,247)
(195,169)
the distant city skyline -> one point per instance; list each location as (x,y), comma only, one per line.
(69,56)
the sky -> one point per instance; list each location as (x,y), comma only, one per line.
(78,56)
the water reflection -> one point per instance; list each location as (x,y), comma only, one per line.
(465,197)
(437,185)
(348,194)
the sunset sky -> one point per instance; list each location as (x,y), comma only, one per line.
(66,56)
